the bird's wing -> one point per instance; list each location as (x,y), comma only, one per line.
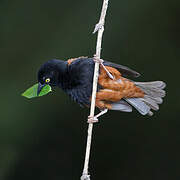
(113,90)
(125,71)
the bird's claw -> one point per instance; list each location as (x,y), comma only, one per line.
(98,60)
(92,119)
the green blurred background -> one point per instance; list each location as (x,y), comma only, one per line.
(45,138)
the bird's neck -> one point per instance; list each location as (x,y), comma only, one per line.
(64,77)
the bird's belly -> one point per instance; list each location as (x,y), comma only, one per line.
(80,95)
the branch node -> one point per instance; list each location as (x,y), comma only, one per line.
(85,177)
(98,26)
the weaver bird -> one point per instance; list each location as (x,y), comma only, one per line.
(114,92)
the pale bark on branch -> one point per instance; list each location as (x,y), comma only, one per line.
(100,29)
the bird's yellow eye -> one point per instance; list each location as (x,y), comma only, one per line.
(47,80)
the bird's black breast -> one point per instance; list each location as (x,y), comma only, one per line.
(78,80)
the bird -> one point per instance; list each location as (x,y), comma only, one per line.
(115,89)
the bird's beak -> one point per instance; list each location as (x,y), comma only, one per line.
(40,86)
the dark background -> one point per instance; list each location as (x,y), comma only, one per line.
(44,138)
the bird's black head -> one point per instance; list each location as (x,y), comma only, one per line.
(50,73)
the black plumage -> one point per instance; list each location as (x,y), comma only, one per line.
(76,78)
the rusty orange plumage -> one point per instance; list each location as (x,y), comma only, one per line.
(69,61)
(113,90)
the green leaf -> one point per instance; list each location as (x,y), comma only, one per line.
(46,89)
(32,91)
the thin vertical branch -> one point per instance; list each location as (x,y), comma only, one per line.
(100,28)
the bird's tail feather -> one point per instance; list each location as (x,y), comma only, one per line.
(121,106)
(152,89)
(153,96)
(139,105)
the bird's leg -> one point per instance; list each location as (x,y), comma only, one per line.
(104,111)
(100,61)
(95,118)
(108,73)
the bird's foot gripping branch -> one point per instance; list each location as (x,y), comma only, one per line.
(36,91)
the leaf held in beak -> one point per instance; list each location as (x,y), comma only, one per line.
(33,91)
